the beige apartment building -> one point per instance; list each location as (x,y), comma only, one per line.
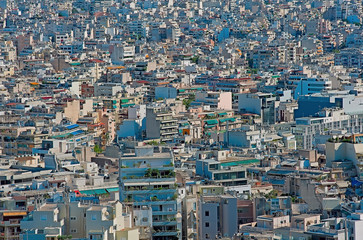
(104,222)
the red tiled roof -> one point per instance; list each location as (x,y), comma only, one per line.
(96,60)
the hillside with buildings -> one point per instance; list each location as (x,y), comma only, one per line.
(181,120)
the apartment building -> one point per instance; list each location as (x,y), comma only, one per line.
(221,173)
(217,216)
(73,218)
(160,124)
(346,148)
(147,185)
(308,86)
(307,128)
(273,221)
(12,211)
(216,100)
(350,58)
(262,104)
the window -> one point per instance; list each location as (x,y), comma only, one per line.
(40,231)
(73,218)
(73,230)
(93,217)
(207,236)
(206,213)
(144,219)
(207,224)
(43,218)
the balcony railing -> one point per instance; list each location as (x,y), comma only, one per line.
(12,222)
(322,230)
(164,223)
(165,233)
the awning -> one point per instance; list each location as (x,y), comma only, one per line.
(212,121)
(127,105)
(87,192)
(222,114)
(116,189)
(77,132)
(72,126)
(227,119)
(13,214)
(100,191)
(61,136)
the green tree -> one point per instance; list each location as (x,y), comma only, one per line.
(195,59)
(97,149)
(189,100)
(64,237)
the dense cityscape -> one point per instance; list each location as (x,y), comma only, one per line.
(181,120)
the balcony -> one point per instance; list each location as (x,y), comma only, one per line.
(164,223)
(172,212)
(322,231)
(169,132)
(146,181)
(14,222)
(52,232)
(147,192)
(167,126)
(161,202)
(165,233)
(162,121)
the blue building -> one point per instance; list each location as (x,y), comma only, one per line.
(165,92)
(310,105)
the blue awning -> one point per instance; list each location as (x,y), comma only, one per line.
(76,132)
(87,192)
(227,119)
(116,189)
(100,191)
(212,121)
(73,126)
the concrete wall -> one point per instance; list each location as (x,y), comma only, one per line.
(212,219)
(229,216)
(340,151)
(127,234)
(248,104)
(225,101)
(165,92)
(72,110)
(152,125)
(128,128)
